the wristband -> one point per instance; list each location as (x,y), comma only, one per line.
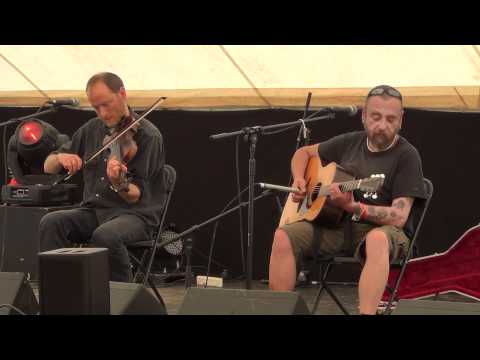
(362,214)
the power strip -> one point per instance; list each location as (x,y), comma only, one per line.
(212,281)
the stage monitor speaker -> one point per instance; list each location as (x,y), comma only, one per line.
(210,301)
(19,237)
(133,299)
(74,281)
(435,307)
(15,290)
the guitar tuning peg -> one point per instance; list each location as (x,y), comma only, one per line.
(366,195)
(382,176)
(374,196)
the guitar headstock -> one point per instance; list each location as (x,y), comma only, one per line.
(371,185)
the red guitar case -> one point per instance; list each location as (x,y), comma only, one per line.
(455,270)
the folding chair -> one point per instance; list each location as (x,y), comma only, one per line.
(325,263)
(149,247)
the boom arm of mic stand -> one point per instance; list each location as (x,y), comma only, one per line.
(188,242)
(31,116)
(261,129)
(215,218)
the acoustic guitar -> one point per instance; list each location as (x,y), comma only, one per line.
(316,206)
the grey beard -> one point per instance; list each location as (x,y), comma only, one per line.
(384,144)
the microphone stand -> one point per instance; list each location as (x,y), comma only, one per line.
(251,135)
(188,240)
(306,139)
(306,131)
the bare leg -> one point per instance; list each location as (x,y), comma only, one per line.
(282,271)
(375,272)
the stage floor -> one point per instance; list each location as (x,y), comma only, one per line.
(174,293)
(173,297)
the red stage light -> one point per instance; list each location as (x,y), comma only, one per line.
(30,133)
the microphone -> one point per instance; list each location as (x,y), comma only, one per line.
(350,110)
(64,102)
(277,187)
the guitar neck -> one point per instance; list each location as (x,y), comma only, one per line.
(344,187)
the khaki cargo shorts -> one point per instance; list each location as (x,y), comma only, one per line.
(331,240)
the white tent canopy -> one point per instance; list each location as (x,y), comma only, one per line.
(225,76)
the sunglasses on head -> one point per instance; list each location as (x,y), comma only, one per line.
(380,90)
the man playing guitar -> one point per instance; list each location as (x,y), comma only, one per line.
(381,226)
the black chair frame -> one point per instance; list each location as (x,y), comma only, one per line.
(419,209)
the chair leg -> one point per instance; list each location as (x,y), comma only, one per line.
(149,280)
(322,275)
(337,301)
(393,294)
(317,298)
(137,271)
(157,294)
(324,286)
(388,308)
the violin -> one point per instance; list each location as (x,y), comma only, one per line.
(129,149)
(124,149)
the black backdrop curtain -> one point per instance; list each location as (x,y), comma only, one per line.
(447,142)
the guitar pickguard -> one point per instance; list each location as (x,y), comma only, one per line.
(303,207)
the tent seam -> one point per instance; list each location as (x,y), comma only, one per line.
(244,75)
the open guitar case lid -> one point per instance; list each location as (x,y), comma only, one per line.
(455,270)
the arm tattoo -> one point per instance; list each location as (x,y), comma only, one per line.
(376,214)
(371,211)
(400,204)
(382,214)
(394,214)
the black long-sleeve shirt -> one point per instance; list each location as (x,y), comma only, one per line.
(145,171)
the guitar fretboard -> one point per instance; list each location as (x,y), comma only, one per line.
(344,187)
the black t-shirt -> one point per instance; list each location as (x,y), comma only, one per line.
(401,165)
(145,171)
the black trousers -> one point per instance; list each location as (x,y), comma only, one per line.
(61,229)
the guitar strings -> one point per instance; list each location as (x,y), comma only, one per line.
(346,186)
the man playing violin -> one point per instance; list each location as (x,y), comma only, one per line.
(124,190)
(380,226)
